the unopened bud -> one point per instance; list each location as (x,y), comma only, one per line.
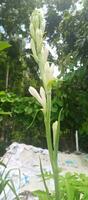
(39,40)
(34,50)
(54,127)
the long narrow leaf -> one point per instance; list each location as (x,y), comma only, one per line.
(12,187)
(42,174)
(5,113)
(57,135)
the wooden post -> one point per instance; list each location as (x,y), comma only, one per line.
(77,142)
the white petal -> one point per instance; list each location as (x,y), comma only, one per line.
(43,96)
(34,50)
(48,73)
(34,93)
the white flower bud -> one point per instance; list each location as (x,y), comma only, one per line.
(48,74)
(39,40)
(32,30)
(34,50)
(41,98)
(42,24)
(37,19)
(54,127)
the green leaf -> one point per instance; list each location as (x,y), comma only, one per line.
(41,195)
(5,113)
(46,188)
(4,45)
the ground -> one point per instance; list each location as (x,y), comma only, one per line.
(26,158)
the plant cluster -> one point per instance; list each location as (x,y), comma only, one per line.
(71,187)
(6,182)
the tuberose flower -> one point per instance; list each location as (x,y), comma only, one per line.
(38,21)
(41,98)
(48,73)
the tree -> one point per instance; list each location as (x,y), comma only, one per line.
(73,63)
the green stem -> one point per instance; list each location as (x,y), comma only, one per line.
(56,179)
(47,125)
(53,157)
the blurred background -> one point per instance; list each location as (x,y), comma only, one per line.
(66,36)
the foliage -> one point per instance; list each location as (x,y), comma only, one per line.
(16,61)
(23,122)
(72,187)
(4,45)
(73,64)
(74,49)
(42,195)
(66,29)
(5,181)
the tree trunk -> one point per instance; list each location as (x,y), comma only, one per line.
(7,77)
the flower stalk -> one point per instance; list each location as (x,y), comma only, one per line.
(40,53)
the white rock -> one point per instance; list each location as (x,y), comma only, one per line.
(26,159)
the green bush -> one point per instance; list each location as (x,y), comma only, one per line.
(71,187)
(5,181)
